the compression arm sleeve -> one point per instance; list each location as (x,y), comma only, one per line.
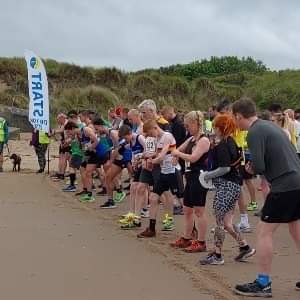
(217,173)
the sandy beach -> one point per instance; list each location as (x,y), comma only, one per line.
(54,247)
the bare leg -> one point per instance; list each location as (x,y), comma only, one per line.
(188,222)
(201,222)
(113,172)
(89,176)
(265,246)
(294,228)
(251,189)
(243,210)
(232,230)
(168,201)
(141,197)
(154,198)
(83,177)
(133,196)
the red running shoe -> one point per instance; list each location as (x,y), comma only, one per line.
(195,247)
(181,243)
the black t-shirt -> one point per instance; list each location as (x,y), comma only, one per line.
(226,154)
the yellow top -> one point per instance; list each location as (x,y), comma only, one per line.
(43,138)
(240,138)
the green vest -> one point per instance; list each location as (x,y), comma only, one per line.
(43,138)
(2,132)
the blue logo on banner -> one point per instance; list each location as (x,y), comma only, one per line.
(34,63)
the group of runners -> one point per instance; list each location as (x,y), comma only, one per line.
(165,153)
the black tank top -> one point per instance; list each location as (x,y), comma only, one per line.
(201,163)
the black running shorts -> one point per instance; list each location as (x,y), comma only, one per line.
(167,182)
(137,174)
(76,162)
(194,192)
(282,207)
(150,177)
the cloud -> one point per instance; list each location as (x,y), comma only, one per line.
(135,34)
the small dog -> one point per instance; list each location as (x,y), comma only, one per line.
(16,160)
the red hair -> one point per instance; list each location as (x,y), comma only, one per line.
(226,124)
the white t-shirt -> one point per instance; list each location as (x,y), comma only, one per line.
(166,165)
(150,145)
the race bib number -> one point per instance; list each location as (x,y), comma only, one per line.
(150,145)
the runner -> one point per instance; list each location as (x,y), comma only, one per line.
(3,140)
(240,139)
(134,117)
(165,177)
(226,179)
(224,106)
(121,159)
(281,120)
(114,120)
(265,141)
(73,132)
(149,175)
(89,143)
(64,148)
(195,154)
(133,218)
(148,110)
(180,134)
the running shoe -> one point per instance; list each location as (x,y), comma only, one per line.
(130,217)
(254,289)
(40,171)
(87,198)
(212,259)
(131,225)
(244,228)
(252,206)
(147,233)
(145,213)
(119,197)
(108,205)
(69,188)
(196,246)
(168,223)
(244,254)
(181,243)
(298,286)
(178,210)
(81,193)
(166,219)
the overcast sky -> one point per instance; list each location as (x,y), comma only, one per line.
(135,34)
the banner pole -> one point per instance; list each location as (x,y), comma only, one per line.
(48,158)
